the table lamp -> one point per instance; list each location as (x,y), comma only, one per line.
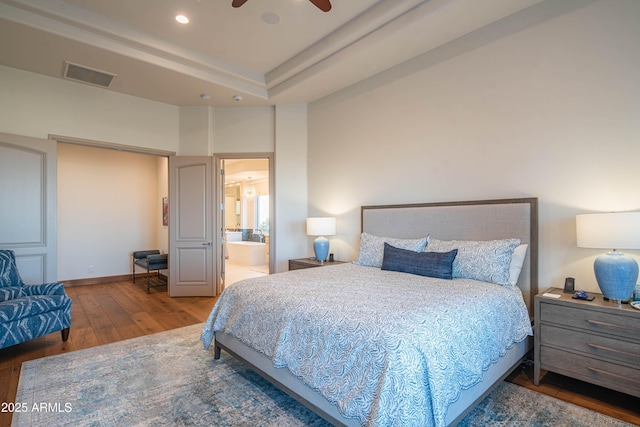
(321,226)
(615,272)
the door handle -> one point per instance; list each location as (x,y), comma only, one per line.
(206,244)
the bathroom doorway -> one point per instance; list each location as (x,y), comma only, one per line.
(245,216)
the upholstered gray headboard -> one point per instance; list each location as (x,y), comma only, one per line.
(471,220)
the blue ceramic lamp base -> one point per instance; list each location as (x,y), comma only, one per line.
(321,248)
(617,275)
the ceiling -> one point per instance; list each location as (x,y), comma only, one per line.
(245,170)
(266,52)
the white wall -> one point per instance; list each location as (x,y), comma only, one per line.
(196,136)
(39,106)
(243,130)
(109,204)
(543,104)
(291,184)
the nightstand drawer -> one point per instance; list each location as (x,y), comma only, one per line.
(607,374)
(590,320)
(593,345)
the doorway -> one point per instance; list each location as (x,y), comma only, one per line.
(245,216)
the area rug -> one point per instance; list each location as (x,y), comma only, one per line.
(168,379)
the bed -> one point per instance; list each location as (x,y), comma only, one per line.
(367,343)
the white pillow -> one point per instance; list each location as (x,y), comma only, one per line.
(488,260)
(372,248)
(517,259)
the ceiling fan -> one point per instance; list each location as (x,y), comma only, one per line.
(323,5)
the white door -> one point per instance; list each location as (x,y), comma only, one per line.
(28,192)
(191,235)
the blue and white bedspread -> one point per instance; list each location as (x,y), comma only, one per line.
(388,348)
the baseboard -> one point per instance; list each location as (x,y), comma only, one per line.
(109,279)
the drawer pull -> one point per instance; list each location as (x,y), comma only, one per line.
(611,325)
(600,371)
(612,350)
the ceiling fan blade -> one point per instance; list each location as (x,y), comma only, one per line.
(323,5)
(238,3)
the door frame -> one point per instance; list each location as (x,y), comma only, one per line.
(65,139)
(219,201)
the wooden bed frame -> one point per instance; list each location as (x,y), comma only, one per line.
(473,220)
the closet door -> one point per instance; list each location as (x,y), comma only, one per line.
(28,210)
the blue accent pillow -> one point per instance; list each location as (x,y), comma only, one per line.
(431,264)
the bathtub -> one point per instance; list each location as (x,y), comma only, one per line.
(247,253)
(233,236)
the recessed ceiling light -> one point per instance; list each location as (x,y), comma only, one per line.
(205,96)
(237,98)
(182,19)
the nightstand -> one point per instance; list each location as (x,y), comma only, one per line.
(594,341)
(300,263)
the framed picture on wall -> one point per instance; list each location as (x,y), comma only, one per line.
(165,211)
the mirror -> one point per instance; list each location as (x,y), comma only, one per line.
(233,210)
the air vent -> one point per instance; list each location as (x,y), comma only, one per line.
(88,75)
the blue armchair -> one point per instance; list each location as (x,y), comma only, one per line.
(29,311)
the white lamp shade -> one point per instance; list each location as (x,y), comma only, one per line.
(321,226)
(608,230)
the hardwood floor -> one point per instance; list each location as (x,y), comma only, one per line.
(608,402)
(103,314)
(106,313)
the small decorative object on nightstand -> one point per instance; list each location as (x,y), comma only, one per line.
(593,341)
(325,226)
(298,264)
(569,285)
(615,272)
